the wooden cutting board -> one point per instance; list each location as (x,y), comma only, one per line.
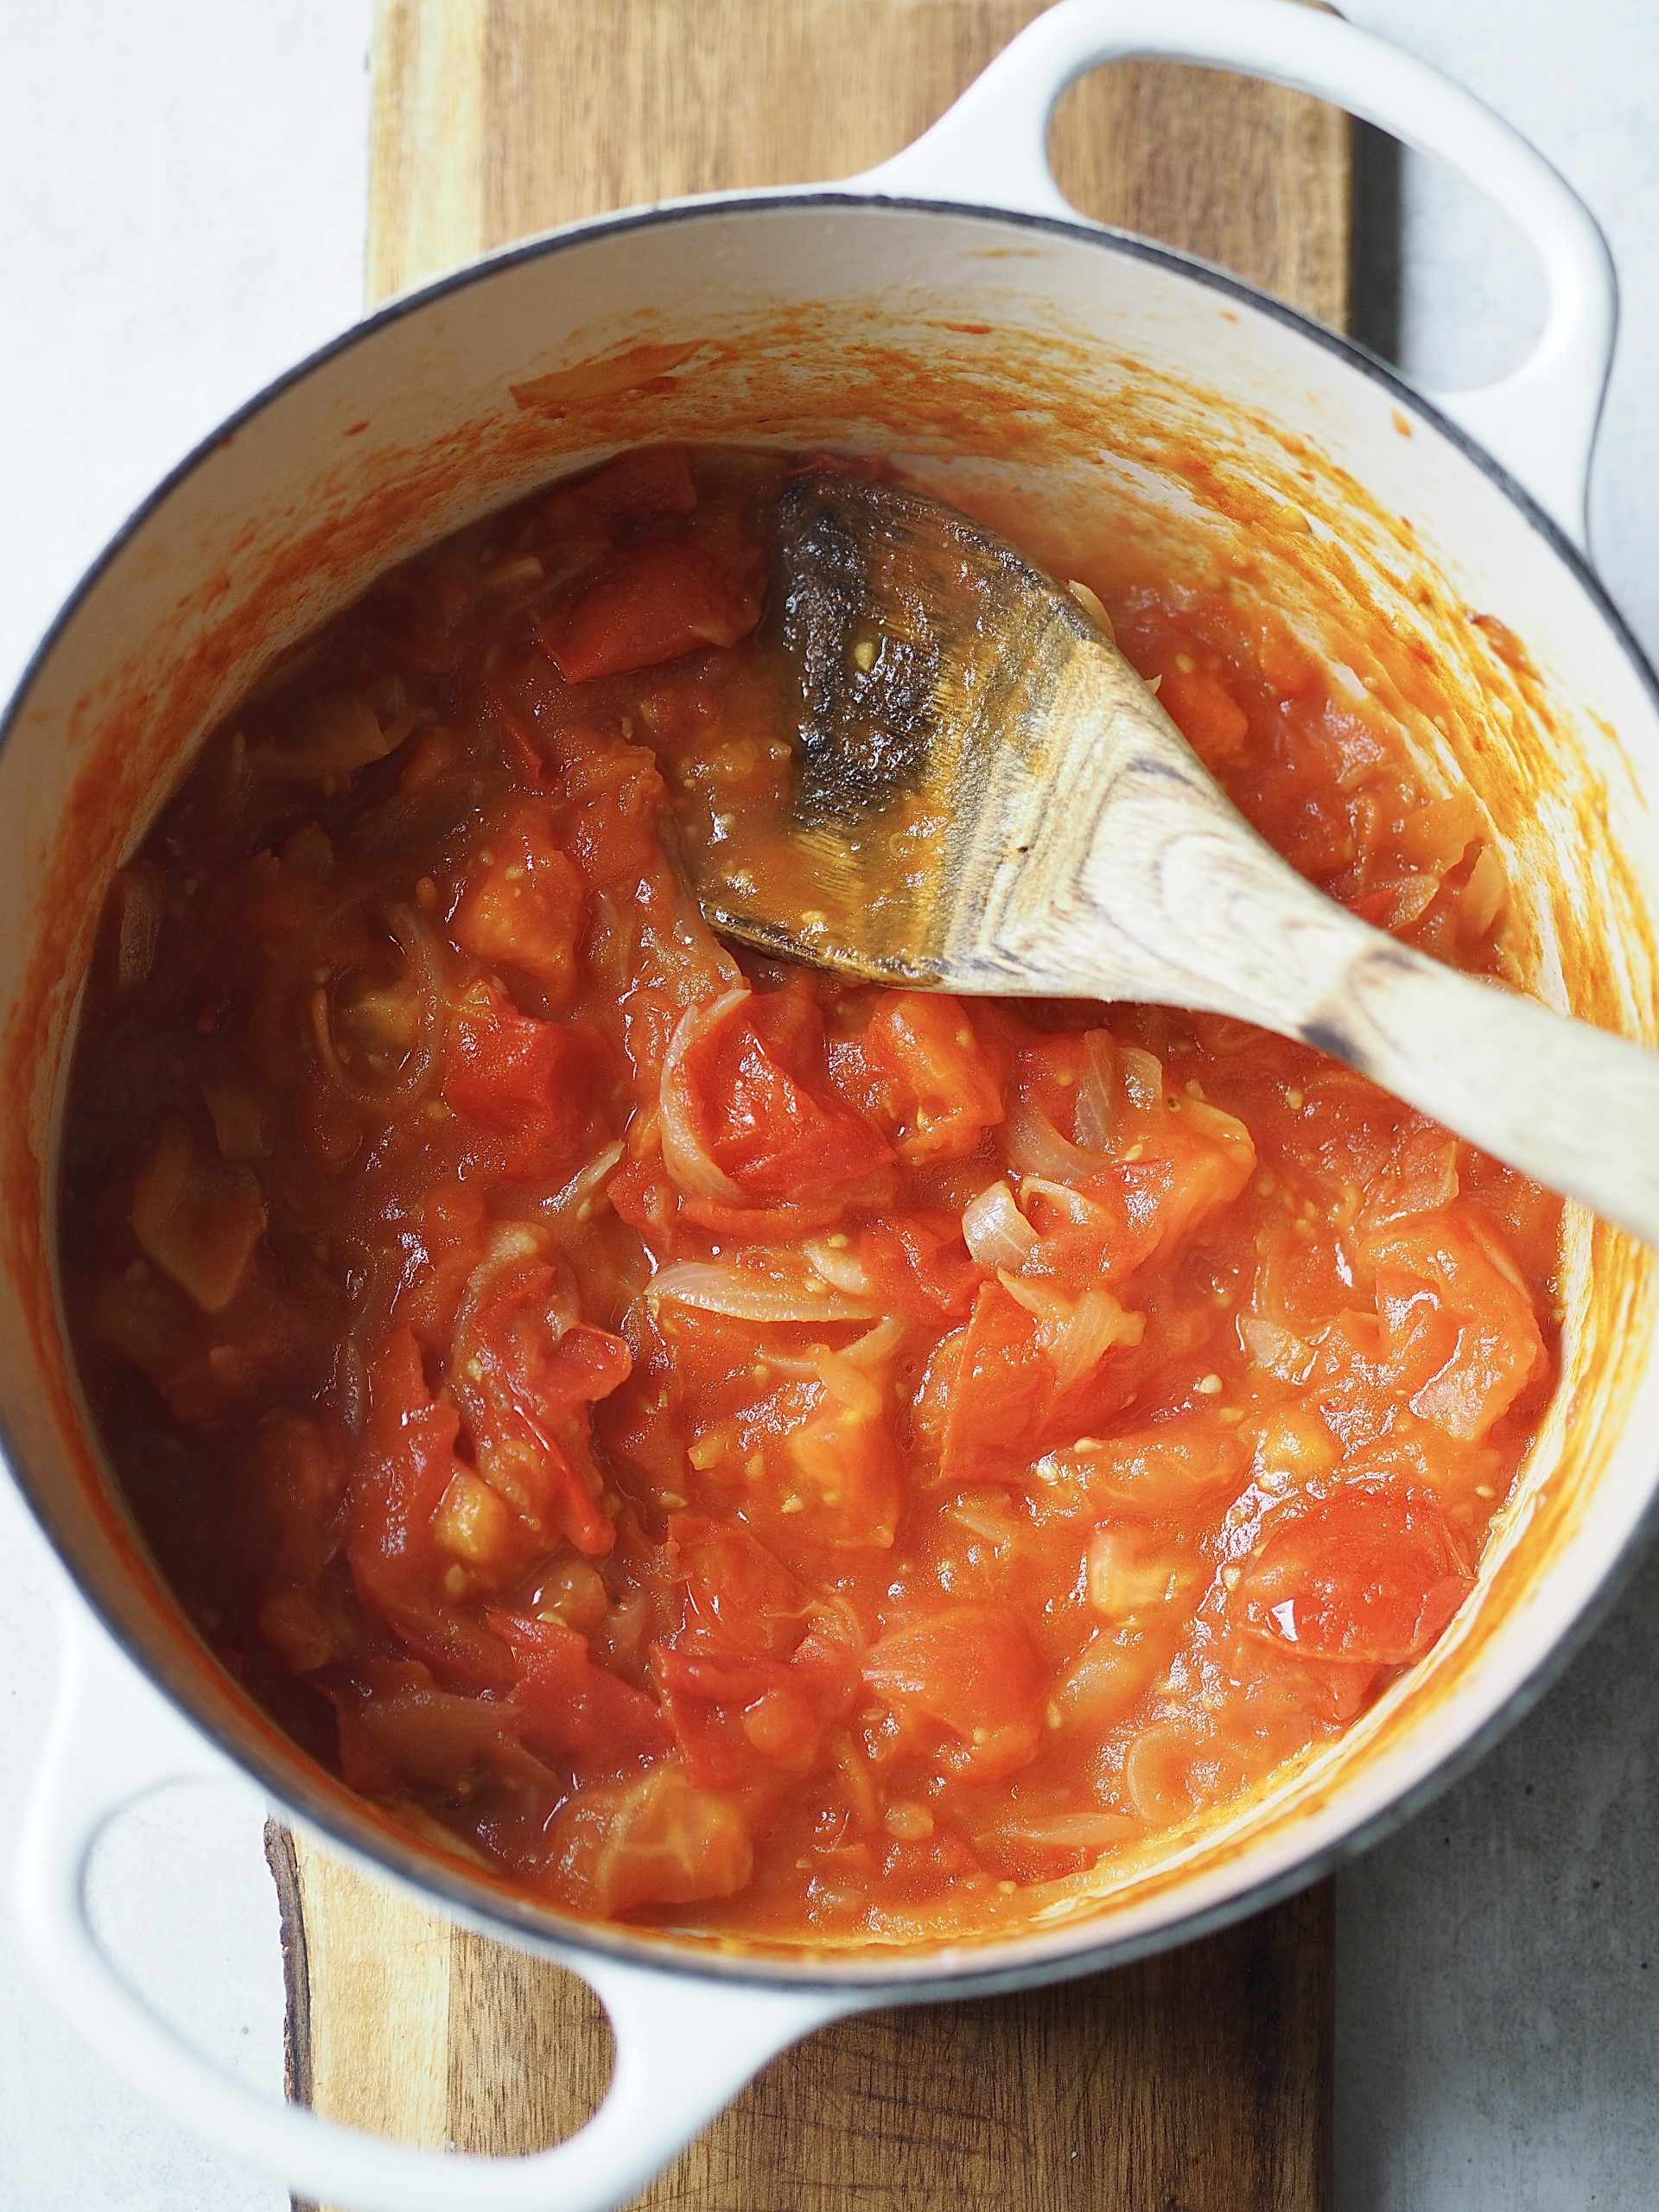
(1197,2082)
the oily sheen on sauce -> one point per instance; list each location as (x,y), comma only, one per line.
(791,1462)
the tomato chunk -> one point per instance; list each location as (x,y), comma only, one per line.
(570,1711)
(972,1670)
(655,599)
(1369,1573)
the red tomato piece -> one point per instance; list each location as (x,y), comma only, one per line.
(655,599)
(993,1389)
(1370,1574)
(1458,1325)
(741,1721)
(407,1463)
(739,1596)
(921,1254)
(653,1840)
(1208,717)
(775,1124)
(526,1375)
(970,1671)
(645,482)
(524,904)
(942,1092)
(572,1712)
(525,1080)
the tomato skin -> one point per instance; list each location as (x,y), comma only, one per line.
(987,1392)
(655,601)
(523,906)
(1369,1573)
(739,1596)
(775,1125)
(970,1671)
(571,1711)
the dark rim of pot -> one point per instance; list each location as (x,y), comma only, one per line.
(932,1973)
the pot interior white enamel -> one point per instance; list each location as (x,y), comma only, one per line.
(1084,386)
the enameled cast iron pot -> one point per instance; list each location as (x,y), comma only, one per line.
(950,306)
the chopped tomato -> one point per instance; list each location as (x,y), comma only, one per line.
(658,1840)
(524,904)
(1369,1573)
(740,1598)
(969,1670)
(725,1442)
(520,1078)
(655,599)
(941,1092)
(775,1125)
(571,1711)
(1457,1316)
(638,485)
(987,1392)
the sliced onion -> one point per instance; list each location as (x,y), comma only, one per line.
(994,1231)
(1142,1077)
(584,1182)
(1089,601)
(684,1154)
(1076,1333)
(1035,1147)
(1079,1209)
(1094,1090)
(138,900)
(335,735)
(424,964)
(838,1264)
(1280,1350)
(1085,1831)
(874,1349)
(748,1294)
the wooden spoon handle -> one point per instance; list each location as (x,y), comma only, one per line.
(1573,1106)
(1163,892)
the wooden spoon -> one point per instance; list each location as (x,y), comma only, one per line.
(989,799)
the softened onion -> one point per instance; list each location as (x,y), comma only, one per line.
(1076,1333)
(582,1185)
(335,735)
(1096,1086)
(786,1291)
(1035,1147)
(137,925)
(684,1154)
(1084,1831)
(424,969)
(996,1233)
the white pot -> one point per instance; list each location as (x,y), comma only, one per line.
(950,307)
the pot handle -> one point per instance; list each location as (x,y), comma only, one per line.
(684,2045)
(991,149)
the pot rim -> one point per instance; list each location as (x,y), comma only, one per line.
(941,1972)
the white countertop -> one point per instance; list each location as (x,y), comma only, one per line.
(182,212)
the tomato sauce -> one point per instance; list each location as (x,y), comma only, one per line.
(763,1456)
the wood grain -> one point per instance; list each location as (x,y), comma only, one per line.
(495,118)
(1196,2082)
